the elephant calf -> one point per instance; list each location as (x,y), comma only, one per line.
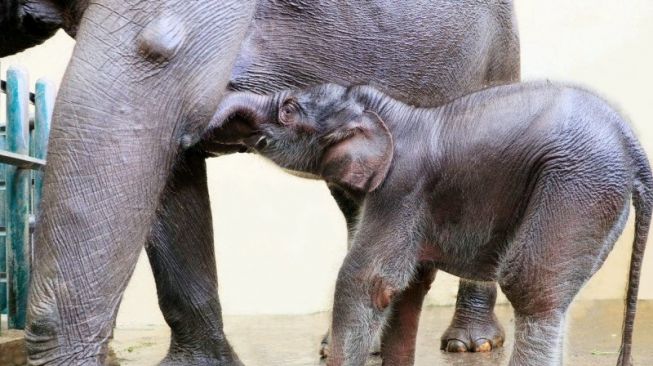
(526,184)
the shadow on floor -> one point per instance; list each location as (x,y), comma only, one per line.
(593,337)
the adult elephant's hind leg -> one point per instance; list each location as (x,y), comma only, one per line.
(474,326)
(180,249)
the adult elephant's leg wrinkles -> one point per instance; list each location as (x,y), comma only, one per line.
(181,253)
(139,78)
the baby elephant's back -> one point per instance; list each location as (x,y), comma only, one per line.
(589,137)
(536,125)
(585,151)
(538,136)
(555,125)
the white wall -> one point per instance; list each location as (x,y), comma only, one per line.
(280,239)
(49,59)
(607,46)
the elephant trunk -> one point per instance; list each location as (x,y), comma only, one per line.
(253,108)
(237,120)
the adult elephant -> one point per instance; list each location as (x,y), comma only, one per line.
(146,72)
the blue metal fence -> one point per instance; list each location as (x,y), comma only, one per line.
(23,147)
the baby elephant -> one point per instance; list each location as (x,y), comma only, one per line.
(528,185)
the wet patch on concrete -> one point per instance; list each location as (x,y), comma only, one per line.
(592,338)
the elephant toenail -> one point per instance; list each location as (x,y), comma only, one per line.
(455,345)
(482,345)
(324,351)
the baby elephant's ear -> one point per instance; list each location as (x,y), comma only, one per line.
(360,155)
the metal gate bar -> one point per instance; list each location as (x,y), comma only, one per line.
(22,163)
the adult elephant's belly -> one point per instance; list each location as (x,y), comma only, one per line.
(423,53)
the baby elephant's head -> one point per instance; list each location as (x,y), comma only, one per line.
(325,130)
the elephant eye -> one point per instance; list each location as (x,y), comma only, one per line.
(288,110)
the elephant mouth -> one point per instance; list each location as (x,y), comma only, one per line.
(249,144)
(217,148)
(257,141)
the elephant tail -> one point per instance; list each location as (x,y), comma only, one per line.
(642,198)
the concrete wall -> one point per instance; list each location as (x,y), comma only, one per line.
(280,239)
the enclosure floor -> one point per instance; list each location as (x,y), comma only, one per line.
(593,336)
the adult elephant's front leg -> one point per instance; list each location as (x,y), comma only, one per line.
(141,77)
(474,326)
(100,191)
(180,249)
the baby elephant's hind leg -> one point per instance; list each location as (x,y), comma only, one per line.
(398,341)
(562,241)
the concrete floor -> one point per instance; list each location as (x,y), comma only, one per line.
(593,338)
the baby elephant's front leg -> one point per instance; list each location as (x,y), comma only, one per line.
(367,284)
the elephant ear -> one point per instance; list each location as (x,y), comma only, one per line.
(359,154)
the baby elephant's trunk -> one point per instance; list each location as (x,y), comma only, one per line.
(643,203)
(239,116)
(254,108)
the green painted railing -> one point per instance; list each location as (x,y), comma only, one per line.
(23,148)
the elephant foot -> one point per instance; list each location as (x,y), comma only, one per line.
(324,346)
(177,360)
(200,358)
(472,334)
(112,358)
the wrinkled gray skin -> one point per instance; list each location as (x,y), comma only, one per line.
(528,185)
(143,74)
